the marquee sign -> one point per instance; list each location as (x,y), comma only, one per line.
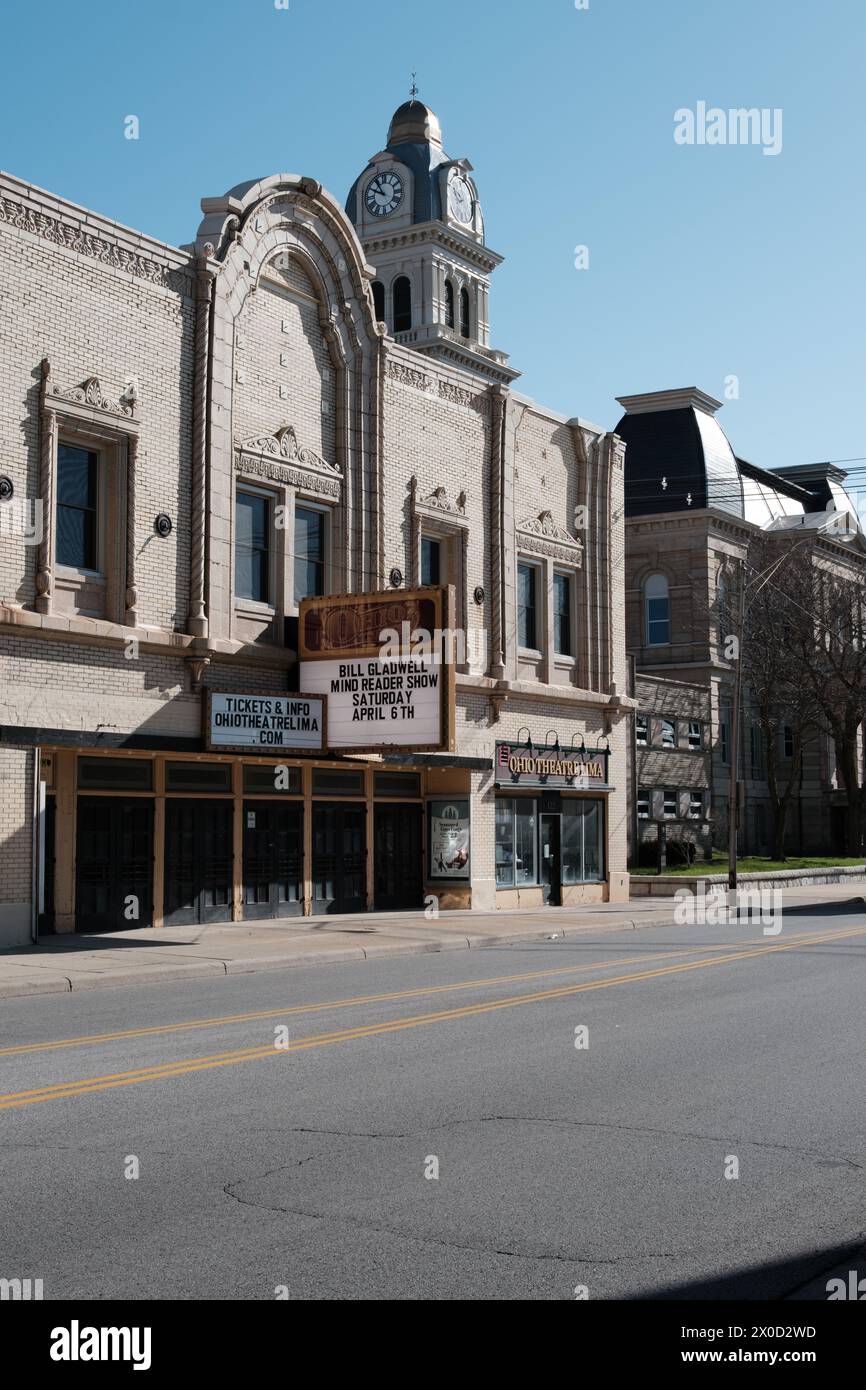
(385,664)
(239,723)
(525,765)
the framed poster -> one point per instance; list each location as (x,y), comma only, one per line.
(449,839)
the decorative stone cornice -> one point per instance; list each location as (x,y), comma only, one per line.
(438,501)
(426,232)
(272,456)
(407,376)
(96,247)
(90,393)
(541,535)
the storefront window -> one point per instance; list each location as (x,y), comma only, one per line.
(261,780)
(516,829)
(198,777)
(115,774)
(400,784)
(582,857)
(337,783)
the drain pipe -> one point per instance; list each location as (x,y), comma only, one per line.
(37,848)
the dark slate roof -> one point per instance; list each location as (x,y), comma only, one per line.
(668,444)
(425,160)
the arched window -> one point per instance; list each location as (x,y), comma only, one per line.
(402,304)
(449,304)
(657,610)
(464,314)
(378,300)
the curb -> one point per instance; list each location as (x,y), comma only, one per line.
(211,969)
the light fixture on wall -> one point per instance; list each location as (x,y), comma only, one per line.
(7,488)
(395,578)
(163,525)
(525,730)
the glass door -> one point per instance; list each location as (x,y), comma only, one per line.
(549,852)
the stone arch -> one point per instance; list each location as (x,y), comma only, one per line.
(238,237)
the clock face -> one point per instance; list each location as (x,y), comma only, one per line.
(460,198)
(383,194)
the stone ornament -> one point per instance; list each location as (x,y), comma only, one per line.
(90,393)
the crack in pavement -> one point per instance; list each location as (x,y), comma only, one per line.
(834,1160)
(374,1229)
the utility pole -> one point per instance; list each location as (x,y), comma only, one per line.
(733,799)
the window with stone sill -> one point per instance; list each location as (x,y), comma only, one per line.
(527,607)
(89,528)
(433,557)
(254,547)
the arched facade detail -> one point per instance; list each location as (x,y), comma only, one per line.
(248,228)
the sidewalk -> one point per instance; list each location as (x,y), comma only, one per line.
(145,956)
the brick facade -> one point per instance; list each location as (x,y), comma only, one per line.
(254,358)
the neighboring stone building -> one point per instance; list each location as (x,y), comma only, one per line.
(692,507)
(213,433)
(672,777)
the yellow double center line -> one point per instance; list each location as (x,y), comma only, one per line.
(160,1071)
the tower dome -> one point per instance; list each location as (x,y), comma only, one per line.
(414,123)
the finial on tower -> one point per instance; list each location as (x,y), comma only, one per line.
(413,90)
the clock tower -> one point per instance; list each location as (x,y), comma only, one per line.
(419,219)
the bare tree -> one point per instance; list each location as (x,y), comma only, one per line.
(825,598)
(780,698)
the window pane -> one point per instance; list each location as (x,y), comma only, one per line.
(397,784)
(562,614)
(198,777)
(76,476)
(128,774)
(592,850)
(76,507)
(581,839)
(309,553)
(526,607)
(76,538)
(252,528)
(658,621)
(504,843)
(274,780)
(524,842)
(430,561)
(572,842)
(335,783)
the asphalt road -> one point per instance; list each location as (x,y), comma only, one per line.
(263,1168)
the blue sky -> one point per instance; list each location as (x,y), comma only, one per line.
(704,262)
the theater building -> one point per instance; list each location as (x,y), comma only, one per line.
(222,464)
